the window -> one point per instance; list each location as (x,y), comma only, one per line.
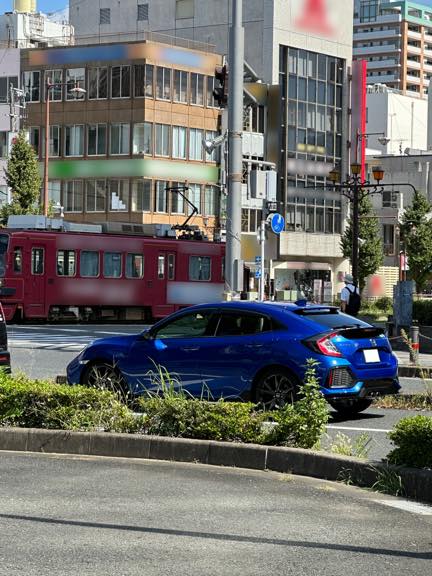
(190,325)
(180,86)
(142,141)
(210,201)
(89,264)
(120,82)
(210,87)
(74,140)
(197,89)
(73,190)
(6,83)
(162,140)
(143,81)
(119,195)
(141,195)
(75,78)
(195,197)
(179,142)
(55,79)
(105,16)
(31,86)
(184,9)
(161,267)
(112,267)
(119,141)
(34,133)
(390,199)
(54,142)
(3,144)
(199,268)
(97,140)
(98,83)
(241,324)
(66,262)
(213,156)
(143,12)
(171,266)
(163,83)
(17,260)
(134,266)
(96,196)
(54,192)
(177,201)
(195,144)
(37,261)
(389,239)
(161,196)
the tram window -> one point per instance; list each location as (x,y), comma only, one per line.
(66,263)
(171,266)
(161,267)
(89,264)
(112,265)
(37,261)
(17,260)
(199,268)
(134,265)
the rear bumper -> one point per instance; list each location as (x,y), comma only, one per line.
(365,389)
(5,362)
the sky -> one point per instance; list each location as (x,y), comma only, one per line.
(43,5)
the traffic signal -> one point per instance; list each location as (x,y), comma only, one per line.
(220,92)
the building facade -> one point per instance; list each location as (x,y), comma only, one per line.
(136,131)
(395,37)
(33,29)
(304,50)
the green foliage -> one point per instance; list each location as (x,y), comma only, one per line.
(344,446)
(422,312)
(22,176)
(385,304)
(371,248)
(416,234)
(388,482)
(413,440)
(38,404)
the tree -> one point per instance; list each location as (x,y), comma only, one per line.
(416,235)
(22,176)
(370,243)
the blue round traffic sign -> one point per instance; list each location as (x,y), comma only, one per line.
(277,223)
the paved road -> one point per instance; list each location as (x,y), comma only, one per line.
(44,351)
(101,516)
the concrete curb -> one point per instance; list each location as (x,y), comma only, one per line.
(417,483)
(409,371)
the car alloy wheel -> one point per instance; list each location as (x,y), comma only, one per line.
(105,377)
(275,388)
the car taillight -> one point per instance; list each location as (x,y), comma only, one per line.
(324,345)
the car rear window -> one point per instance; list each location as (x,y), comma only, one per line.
(331,318)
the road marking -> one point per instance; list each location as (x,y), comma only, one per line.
(408,506)
(357,429)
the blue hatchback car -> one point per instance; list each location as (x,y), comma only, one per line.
(248,350)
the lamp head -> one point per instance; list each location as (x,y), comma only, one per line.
(378,173)
(383,140)
(356,168)
(334,175)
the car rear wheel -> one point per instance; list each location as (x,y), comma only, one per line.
(105,377)
(275,388)
(351,407)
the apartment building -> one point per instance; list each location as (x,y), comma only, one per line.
(135,132)
(395,37)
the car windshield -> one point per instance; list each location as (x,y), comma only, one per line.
(4,242)
(332,318)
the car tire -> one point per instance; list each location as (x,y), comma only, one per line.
(105,376)
(352,407)
(274,388)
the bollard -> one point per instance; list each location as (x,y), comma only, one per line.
(415,345)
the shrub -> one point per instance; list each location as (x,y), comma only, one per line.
(413,440)
(39,404)
(385,304)
(422,312)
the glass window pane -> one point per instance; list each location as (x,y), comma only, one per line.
(199,268)
(134,266)
(89,264)
(66,263)
(37,262)
(112,264)
(141,195)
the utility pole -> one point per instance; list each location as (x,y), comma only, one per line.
(233,262)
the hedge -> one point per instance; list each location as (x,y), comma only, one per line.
(413,440)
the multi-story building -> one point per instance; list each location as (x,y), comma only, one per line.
(9,77)
(395,37)
(136,131)
(304,48)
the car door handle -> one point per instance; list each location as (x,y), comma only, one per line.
(254,345)
(189,348)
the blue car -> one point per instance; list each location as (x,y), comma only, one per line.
(249,350)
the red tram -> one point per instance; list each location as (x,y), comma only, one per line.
(88,276)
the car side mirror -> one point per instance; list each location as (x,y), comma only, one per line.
(147,335)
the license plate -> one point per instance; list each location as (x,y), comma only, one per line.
(371,355)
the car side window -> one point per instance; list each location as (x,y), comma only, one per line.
(193,325)
(242,324)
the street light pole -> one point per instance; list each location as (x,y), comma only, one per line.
(355,231)
(48,86)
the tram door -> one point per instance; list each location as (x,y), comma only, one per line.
(35,301)
(165,273)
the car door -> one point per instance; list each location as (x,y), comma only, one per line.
(171,352)
(241,345)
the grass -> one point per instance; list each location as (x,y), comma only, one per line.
(422,401)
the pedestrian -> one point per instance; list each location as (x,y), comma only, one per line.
(350,297)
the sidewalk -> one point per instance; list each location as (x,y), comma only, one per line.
(422,368)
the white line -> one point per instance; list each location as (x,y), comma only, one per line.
(408,506)
(358,429)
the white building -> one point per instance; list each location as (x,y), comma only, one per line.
(304,48)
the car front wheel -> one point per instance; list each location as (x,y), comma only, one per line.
(275,388)
(105,377)
(352,407)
